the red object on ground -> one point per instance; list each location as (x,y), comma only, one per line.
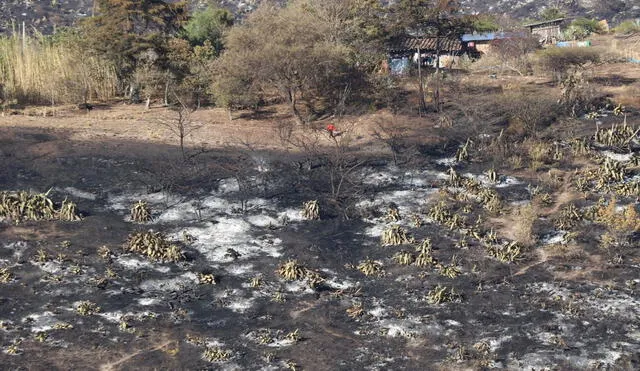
(331,127)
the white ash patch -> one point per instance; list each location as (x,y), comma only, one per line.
(453,323)
(336,284)
(229,185)
(51,267)
(18,248)
(145,302)
(235,300)
(520,203)
(508,181)
(422,178)
(214,239)
(133,263)
(214,202)
(503,181)
(240,269)
(281,343)
(157,200)
(170,284)
(408,201)
(214,343)
(378,312)
(77,193)
(263,220)
(609,360)
(375,230)
(392,175)
(542,359)
(406,327)
(44,321)
(207,208)
(298,287)
(291,215)
(448,161)
(614,304)
(555,238)
(378,178)
(180,213)
(626,157)
(113,317)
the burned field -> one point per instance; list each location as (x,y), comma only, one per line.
(486,254)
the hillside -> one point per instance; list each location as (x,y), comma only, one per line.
(45,16)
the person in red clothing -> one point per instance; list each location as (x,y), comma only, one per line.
(332,130)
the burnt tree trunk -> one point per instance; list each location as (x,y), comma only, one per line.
(436,90)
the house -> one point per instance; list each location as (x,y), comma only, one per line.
(404,50)
(548,32)
(481,42)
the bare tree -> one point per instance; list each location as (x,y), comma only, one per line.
(392,136)
(181,124)
(333,154)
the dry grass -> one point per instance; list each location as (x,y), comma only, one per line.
(564,252)
(626,220)
(540,153)
(523,227)
(41,72)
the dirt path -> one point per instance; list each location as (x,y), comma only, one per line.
(112,366)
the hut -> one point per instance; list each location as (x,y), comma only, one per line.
(424,50)
(548,32)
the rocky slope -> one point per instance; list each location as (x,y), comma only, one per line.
(45,15)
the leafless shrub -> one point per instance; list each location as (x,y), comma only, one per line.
(514,53)
(529,113)
(180,124)
(334,153)
(393,136)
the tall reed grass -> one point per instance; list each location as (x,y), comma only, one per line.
(40,71)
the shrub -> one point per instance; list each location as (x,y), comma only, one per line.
(525,218)
(140,212)
(514,52)
(582,28)
(562,61)
(627,27)
(528,114)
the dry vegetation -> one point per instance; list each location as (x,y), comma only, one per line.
(515,201)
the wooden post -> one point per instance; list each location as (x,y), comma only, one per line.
(423,104)
(24,36)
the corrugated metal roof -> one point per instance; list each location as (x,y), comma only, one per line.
(426,44)
(489,36)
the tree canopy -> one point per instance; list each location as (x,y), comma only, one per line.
(208,25)
(298,52)
(122,29)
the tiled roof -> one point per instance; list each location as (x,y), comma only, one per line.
(426,44)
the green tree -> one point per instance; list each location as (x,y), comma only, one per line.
(552,13)
(485,23)
(123,29)
(208,25)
